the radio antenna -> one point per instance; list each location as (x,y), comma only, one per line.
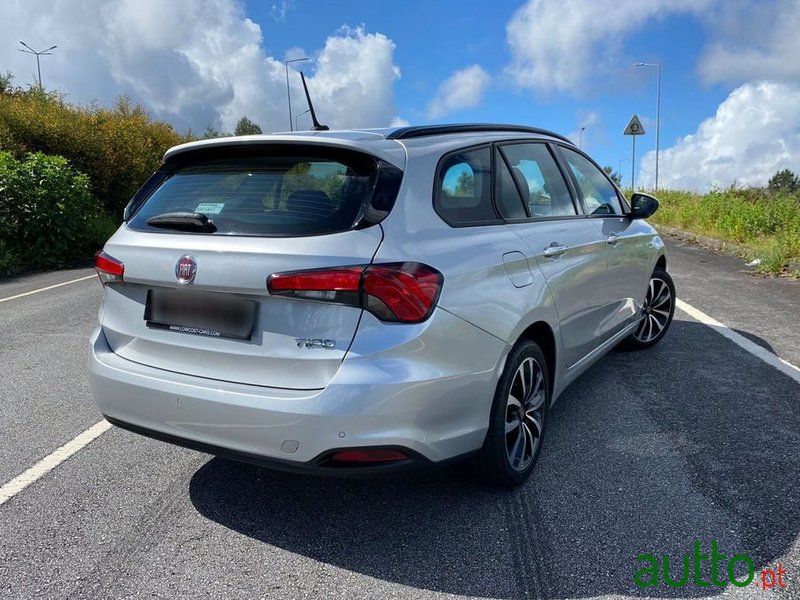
(317,126)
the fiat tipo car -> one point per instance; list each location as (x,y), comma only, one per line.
(354,302)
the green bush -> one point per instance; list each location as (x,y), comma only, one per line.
(766,221)
(47,212)
(118,148)
(8,260)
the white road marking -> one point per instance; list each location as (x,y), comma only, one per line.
(49,287)
(51,461)
(784,366)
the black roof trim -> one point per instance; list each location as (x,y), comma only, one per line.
(405,133)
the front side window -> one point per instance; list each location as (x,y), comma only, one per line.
(464,188)
(599,194)
(539,180)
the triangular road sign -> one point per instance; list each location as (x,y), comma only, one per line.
(634,127)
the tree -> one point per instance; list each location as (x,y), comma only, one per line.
(465,184)
(784,181)
(6,79)
(246,127)
(613,174)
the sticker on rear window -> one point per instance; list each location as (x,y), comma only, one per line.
(210,208)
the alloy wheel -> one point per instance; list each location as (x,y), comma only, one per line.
(656,311)
(525,409)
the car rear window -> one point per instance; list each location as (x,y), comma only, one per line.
(268,195)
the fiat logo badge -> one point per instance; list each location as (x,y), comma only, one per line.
(185,269)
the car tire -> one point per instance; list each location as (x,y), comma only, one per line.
(657,312)
(518,417)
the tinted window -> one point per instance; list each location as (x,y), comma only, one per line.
(508,199)
(464,188)
(272,196)
(599,194)
(539,178)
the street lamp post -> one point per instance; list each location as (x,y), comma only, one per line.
(30,50)
(305,112)
(288,89)
(580,138)
(658,109)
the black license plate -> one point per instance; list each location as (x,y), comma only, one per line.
(200,313)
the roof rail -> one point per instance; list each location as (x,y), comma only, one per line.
(405,133)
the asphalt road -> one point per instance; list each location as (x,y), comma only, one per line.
(695,439)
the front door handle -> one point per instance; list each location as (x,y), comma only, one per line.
(553,251)
(612,239)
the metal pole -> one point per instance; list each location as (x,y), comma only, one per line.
(305,112)
(658,110)
(37,54)
(658,119)
(633,163)
(288,95)
(288,89)
(580,139)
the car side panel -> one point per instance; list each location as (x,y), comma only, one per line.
(576,279)
(485,282)
(630,263)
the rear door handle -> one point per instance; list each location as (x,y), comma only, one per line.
(612,239)
(552,251)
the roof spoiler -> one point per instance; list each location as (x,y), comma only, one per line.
(317,126)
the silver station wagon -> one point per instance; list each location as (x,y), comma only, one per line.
(358,302)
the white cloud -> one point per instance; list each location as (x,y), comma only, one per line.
(753,41)
(567,46)
(463,89)
(195,63)
(279,9)
(755,132)
(295,52)
(352,86)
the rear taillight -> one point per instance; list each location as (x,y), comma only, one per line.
(403,292)
(108,268)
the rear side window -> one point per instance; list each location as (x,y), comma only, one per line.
(509,202)
(464,188)
(269,195)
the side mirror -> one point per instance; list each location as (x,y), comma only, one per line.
(642,206)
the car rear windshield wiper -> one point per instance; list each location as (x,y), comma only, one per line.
(183,221)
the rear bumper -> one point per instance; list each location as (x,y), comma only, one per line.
(413,396)
(322,465)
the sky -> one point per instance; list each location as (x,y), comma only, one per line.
(730,70)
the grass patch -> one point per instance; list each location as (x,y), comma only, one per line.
(766,222)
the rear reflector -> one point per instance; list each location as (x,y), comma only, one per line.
(404,292)
(368,456)
(108,268)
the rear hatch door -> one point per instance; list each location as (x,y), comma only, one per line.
(194,299)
